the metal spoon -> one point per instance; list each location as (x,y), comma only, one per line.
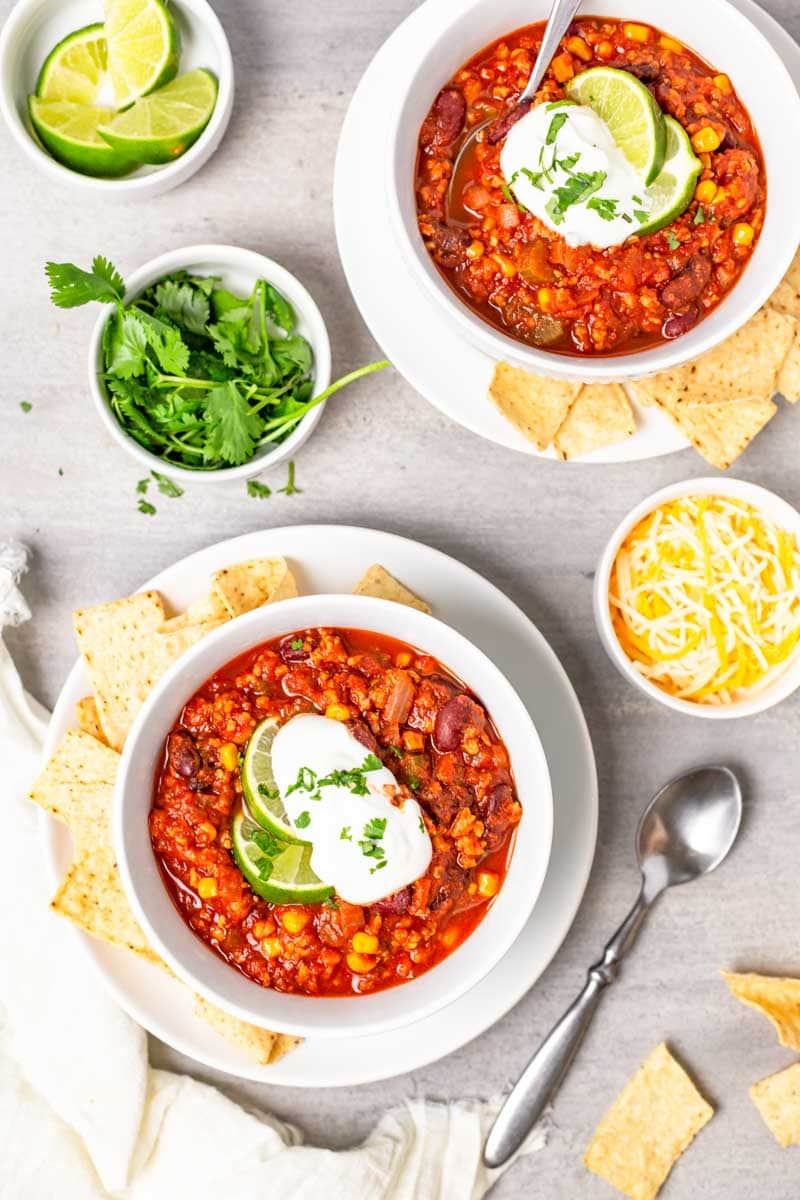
(686,831)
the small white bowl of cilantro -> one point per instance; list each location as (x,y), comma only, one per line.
(210,363)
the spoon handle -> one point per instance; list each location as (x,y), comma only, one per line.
(558,23)
(543,1075)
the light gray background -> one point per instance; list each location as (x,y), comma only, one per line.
(384,458)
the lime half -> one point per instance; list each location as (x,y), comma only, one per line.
(672,191)
(278,871)
(258,781)
(161,127)
(143,47)
(75,69)
(630,112)
(69,132)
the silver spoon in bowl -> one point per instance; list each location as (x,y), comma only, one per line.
(686,831)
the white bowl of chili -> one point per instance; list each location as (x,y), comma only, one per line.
(333,1015)
(743,578)
(760,86)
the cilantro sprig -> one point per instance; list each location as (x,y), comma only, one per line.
(197,375)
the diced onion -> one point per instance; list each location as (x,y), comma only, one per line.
(705,599)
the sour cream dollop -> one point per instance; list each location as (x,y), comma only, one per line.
(366,845)
(563,165)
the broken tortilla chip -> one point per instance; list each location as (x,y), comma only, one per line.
(262,1045)
(89,719)
(650,1124)
(600,416)
(248,585)
(788,383)
(535,406)
(91,895)
(209,608)
(777,1098)
(786,297)
(721,432)
(378,583)
(778,999)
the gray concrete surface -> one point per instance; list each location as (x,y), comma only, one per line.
(534,528)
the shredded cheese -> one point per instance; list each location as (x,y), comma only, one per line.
(705,599)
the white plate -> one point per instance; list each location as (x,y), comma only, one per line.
(330,558)
(436,360)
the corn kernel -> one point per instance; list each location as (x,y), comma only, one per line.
(448,937)
(605,50)
(544,296)
(208,830)
(563,67)
(229,756)
(271,947)
(403,659)
(206,888)
(294,920)
(706,140)
(263,929)
(413,739)
(578,47)
(338,712)
(669,43)
(488,884)
(742,234)
(705,191)
(360,964)
(636,33)
(365,943)
(723,84)
(471,746)
(506,265)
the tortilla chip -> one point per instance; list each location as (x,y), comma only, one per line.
(786,297)
(648,1127)
(600,416)
(721,432)
(535,406)
(260,1044)
(209,608)
(377,582)
(652,390)
(778,999)
(777,1098)
(788,383)
(248,585)
(79,759)
(91,895)
(89,719)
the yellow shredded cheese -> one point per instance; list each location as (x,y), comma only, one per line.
(705,599)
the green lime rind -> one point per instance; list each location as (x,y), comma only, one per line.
(162,126)
(630,112)
(258,782)
(284,877)
(672,192)
(75,68)
(69,132)
(144,47)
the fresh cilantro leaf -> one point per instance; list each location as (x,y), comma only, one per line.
(233,427)
(638,200)
(25,405)
(146,507)
(167,486)
(184,304)
(306,781)
(607,209)
(292,354)
(142,486)
(303,820)
(291,488)
(552,133)
(125,345)
(672,241)
(641,215)
(166,341)
(278,308)
(570,161)
(297,643)
(378,866)
(422,828)
(375,828)
(345,835)
(700,215)
(371,849)
(260,491)
(554,211)
(70,286)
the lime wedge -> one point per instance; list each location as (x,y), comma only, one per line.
(69,132)
(260,790)
(161,127)
(672,191)
(630,112)
(278,871)
(143,47)
(75,69)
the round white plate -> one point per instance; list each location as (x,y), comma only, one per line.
(436,360)
(329,558)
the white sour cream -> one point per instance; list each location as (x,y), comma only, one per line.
(351,835)
(581,145)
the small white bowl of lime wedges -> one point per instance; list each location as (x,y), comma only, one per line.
(127,98)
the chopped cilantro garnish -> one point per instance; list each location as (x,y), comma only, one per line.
(396,751)
(607,209)
(641,215)
(628,220)
(672,241)
(291,488)
(297,643)
(303,820)
(166,486)
(259,491)
(638,200)
(422,828)
(378,866)
(375,828)
(578,188)
(414,783)
(331,903)
(510,197)
(306,781)
(557,122)
(269,793)
(25,405)
(569,162)
(533,177)
(142,486)
(700,215)
(345,835)
(146,507)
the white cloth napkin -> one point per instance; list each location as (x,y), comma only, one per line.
(83,1116)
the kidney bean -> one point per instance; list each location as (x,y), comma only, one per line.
(445,120)
(506,121)
(687,286)
(184,757)
(362,733)
(678,323)
(452,720)
(289,653)
(449,245)
(397,903)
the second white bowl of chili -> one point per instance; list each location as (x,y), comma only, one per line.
(291,967)
(597,315)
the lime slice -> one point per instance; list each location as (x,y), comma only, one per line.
(258,781)
(143,47)
(161,127)
(278,871)
(630,112)
(75,69)
(672,192)
(69,132)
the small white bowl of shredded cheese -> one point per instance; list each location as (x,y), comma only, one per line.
(697,598)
